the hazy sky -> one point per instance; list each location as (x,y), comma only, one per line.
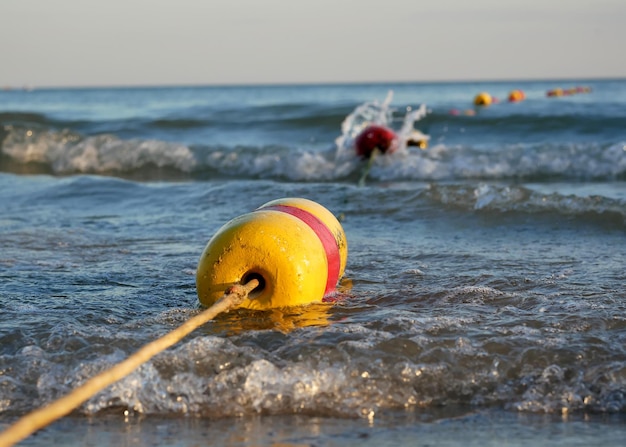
(148,42)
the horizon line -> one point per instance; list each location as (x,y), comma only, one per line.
(305,83)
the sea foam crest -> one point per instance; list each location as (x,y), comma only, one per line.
(540,161)
(66,152)
(368,370)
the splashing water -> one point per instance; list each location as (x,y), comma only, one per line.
(374,112)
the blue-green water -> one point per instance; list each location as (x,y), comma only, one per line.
(485,274)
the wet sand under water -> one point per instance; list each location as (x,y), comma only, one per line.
(474,428)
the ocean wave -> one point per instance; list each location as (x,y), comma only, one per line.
(537,127)
(542,162)
(286,117)
(21,118)
(537,121)
(35,150)
(327,118)
(282,117)
(32,150)
(364,372)
(518,199)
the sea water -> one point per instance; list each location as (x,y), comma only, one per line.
(483,300)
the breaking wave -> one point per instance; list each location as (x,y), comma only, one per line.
(400,360)
(32,150)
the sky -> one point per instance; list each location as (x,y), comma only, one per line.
(49,43)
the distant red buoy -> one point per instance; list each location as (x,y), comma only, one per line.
(375,137)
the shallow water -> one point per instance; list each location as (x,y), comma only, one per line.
(481,428)
(485,273)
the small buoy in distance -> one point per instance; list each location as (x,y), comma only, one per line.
(516,95)
(375,137)
(555,92)
(294,247)
(483,99)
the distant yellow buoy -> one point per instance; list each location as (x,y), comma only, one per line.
(295,247)
(483,99)
(516,95)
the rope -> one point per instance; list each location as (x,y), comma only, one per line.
(368,166)
(40,418)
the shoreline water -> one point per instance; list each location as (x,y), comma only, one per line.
(479,428)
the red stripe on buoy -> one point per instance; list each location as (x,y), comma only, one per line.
(325,236)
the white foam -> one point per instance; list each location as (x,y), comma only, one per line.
(67,153)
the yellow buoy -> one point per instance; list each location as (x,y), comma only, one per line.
(516,95)
(295,247)
(483,99)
